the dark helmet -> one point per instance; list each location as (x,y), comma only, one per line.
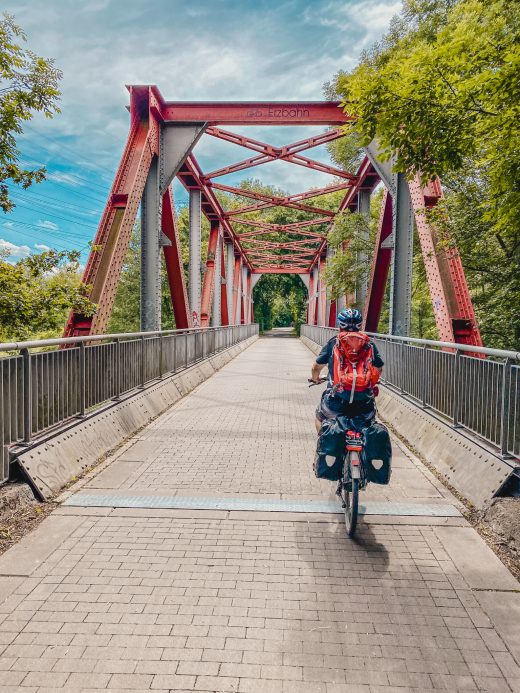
(349,319)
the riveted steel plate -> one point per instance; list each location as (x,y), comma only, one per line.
(257,504)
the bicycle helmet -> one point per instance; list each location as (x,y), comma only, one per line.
(349,319)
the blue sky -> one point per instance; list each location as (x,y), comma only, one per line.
(218,50)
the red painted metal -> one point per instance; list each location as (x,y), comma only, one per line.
(332,313)
(173,262)
(269,153)
(224,313)
(277,269)
(310,302)
(209,276)
(452,306)
(258,249)
(106,258)
(380,267)
(248,298)
(267,201)
(255,113)
(191,177)
(237,270)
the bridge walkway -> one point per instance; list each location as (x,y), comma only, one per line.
(206,557)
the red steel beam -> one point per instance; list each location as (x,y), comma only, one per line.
(255,112)
(269,153)
(268,201)
(209,276)
(453,308)
(224,313)
(236,285)
(174,266)
(380,267)
(106,258)
(282,227)
(276,269)
(297,197)
(191,177)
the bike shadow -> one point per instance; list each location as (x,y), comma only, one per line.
(330,553)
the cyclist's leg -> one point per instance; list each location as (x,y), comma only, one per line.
(324,411)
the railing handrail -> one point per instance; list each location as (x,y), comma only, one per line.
(498,353)
(62,341)
(481,395)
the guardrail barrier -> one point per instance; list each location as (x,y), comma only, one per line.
(67,378)
(481,395)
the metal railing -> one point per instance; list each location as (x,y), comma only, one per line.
(42,389)
(481,395)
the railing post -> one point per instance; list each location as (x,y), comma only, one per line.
(504,413)
(143,376)
(27,396)
(117,370)
(82,380)
(160,356)
(425,377)
(456,389)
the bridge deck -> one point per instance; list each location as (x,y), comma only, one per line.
(121,590)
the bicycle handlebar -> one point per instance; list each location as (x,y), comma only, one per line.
(318,382)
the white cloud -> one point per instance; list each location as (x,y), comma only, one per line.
(47,225)
(41,246)
(224,50)
(8,224)
(14,252)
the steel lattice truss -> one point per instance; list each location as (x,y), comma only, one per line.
(160,147)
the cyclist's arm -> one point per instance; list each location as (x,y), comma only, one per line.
(316,371)
(377,360)
(321,361)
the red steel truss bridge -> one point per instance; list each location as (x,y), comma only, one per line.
(242,246)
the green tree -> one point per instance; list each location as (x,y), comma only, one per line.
(37,293)
(29,84)
(280,300)
(441,92)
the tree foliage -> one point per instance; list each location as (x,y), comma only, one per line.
(28,84)
(442,89)
(37,292)
(440,93)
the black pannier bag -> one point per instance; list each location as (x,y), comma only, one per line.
(330,450)
(378,453)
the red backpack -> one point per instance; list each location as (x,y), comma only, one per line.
(353,368)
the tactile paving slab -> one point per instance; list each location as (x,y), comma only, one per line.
(257,504)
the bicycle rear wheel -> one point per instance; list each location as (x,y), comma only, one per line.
(350,496)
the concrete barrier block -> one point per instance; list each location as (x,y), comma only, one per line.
(475,471)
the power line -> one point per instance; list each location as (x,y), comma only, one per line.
(57,232)
(58,200)
(61,145)
(63,182)
(53,242)
(72,160)
(56,216)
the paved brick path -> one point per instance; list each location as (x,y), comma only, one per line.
(250,602)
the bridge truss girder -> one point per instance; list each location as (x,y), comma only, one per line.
(160,148)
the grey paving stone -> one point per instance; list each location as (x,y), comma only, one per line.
(194,600)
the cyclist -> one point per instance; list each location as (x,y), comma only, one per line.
(334,403)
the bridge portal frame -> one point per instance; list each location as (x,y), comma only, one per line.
(160,147)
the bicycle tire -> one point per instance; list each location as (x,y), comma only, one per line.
(350,499)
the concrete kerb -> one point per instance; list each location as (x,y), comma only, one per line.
(474,471)
(54,461)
